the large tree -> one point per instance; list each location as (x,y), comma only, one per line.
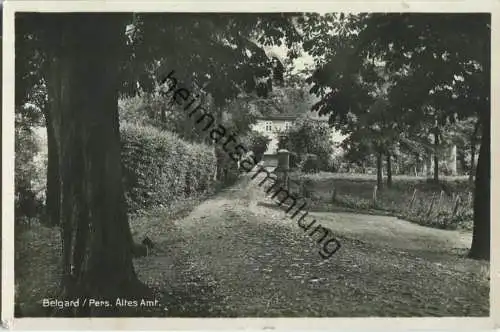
(82,59)
(441,66)
(85,61)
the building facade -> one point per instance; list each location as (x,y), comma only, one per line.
(271,126)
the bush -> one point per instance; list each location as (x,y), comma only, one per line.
(160,168)
(227,172)
(310,164)
(309,136)
(157,110)
(28,176)
(257,143)
(294,160)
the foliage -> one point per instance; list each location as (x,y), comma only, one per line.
(294,160)
(443,73)
(294,97)
(466,135)
(157,110)
(28,173)
(446,72)
(160,168)
(257,143)
(440,67)
(310,164)
(210,60)
(310,136)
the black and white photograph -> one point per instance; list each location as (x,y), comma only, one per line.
(251,164)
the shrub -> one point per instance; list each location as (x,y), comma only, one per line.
(160,168)
(294,160)
(227,172)
(28,176)
(157,110)
(310,136)
(257,143)
(310,164)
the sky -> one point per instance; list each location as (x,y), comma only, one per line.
(302,62)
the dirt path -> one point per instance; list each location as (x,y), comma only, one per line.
(234,257)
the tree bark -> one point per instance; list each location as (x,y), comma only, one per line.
(389,171)
(480,248)
(97,242)
(379,170)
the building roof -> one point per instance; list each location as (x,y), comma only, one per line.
(278,117)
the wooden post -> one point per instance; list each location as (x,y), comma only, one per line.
(412,200)
(431,206)
(283,168)
(305,188)
(334,195)
(455,207)
(375,196)
(439,201)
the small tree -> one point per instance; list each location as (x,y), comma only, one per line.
(310,136)
(257,143)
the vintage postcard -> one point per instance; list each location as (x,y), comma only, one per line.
(249,165)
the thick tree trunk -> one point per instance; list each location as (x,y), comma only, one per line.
(389,171)
(480,248)
(97,242)
(379,170)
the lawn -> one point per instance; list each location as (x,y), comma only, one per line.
(38,253)
(447,204)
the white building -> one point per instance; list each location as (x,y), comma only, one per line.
(273,125)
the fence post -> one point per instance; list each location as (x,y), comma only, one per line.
(334,195)
(455,207)
(375,188)
(412,200)
(283,168)
(304,189)
(439,201)
(431,206)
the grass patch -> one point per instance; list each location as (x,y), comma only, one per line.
(354,192)
(37,266)
(38,254)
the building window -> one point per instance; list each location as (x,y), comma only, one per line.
(269,126)
(288,125)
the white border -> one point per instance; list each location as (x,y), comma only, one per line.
(383,324)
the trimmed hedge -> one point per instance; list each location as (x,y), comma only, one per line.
(160,168)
